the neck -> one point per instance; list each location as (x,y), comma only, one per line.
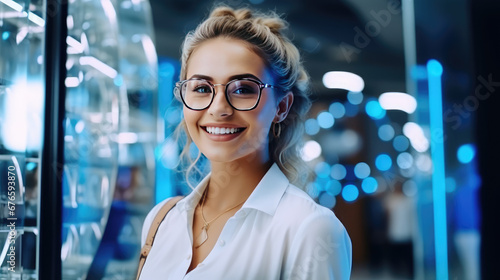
(233,182)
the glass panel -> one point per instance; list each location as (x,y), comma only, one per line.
(138,135)
(91,126)
(21,105)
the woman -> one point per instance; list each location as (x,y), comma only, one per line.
(244,92)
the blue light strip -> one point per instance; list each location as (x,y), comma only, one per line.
(164,186)
(434,73)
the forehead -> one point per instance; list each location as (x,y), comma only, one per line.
(221,58)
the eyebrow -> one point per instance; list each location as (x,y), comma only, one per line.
(239,76)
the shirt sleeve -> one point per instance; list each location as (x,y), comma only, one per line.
(320,250)
(149,220)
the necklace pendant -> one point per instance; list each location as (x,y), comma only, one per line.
(202,237)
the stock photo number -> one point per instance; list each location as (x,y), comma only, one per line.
(11,219)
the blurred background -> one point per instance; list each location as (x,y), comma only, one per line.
(400,136)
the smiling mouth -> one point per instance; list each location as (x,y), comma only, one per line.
(222,130)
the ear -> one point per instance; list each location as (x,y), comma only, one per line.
(284,107)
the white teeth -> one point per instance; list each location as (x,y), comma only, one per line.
(222,130)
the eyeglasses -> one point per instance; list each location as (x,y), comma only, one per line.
(242,94)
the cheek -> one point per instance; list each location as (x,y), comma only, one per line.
(191,118)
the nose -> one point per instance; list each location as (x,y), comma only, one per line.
(220,107)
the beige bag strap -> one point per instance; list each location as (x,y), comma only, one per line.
(153,229)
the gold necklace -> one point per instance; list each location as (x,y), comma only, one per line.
(204,235)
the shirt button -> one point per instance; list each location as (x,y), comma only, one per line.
(200,265)
(188,257)
(222,243)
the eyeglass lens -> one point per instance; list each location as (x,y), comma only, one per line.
(241,94)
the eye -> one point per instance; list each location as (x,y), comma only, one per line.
(198,87)
(203,89)
(243,88)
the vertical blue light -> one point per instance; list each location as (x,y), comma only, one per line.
(168,70)
(434,73)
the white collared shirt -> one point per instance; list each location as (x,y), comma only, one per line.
(279,233)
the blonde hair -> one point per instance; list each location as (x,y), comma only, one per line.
(264,34)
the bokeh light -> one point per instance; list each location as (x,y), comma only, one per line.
(311,126)
(338,171)
(355,98)
(362,170)
(311,150)
(466,153)
(369,185)
(5,35)
(325,120)
(400,143)
(337,110)
(333,187)
(327,200)
(423,162)
(322,169)
(374,110)
(386,132)
(416,135)
(350,193)
(383,162)
(343,80)
(398,101)
(404,160)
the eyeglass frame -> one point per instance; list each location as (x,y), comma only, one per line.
(179,84)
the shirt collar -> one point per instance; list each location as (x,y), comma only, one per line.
(191,200)
(265,197)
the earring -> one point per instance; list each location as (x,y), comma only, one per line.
(276,134)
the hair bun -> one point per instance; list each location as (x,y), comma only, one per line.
(222,11)
(243,14)
(275,24)
(271,20)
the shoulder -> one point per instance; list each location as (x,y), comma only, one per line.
(320,247)
(307,216)
(297,203)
